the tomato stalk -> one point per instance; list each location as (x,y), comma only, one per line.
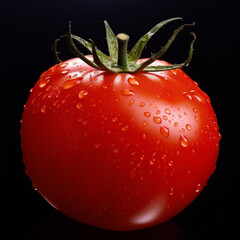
(122,39)
(120,60)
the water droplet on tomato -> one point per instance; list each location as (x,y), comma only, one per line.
(127,92)
(131,102)
(144,136)
(176,124)
(165,117)
(183,141)
(188,127)
(147,114)
(79,106)
(133,81)
(97,145)
(188,96)
(164,131)
(157,120)
(63,65)
(114,119)
(152,161)
(82,94)
(197,96)
(171,192)
(170,163)
(198,189)
(65,71)
(141,104)
(168,111)
(116,150)
(145,123)
(219,136)
(43,83)
(124,128)
(69,84)
(43,109)
(33,100)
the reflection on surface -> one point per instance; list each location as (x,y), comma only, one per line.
(58,226)
(151,211)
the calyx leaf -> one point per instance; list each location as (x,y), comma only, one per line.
(119,60)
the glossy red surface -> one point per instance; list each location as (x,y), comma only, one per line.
(118,151)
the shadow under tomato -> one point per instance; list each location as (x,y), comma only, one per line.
(59,226)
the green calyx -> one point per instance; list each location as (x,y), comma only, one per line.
(120,60)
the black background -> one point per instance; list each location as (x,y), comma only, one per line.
(28,29)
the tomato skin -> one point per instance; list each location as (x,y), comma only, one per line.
(118,151)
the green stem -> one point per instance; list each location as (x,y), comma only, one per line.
(122,39)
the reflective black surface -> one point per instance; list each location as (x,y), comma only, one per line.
(28,29)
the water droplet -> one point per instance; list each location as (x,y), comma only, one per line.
(141,104)
(127,92)
(68,78)
(97,145)
(64,64)
(164,131)
(168,206)
(48,88)
(219,136)
(124,128)
(198,189)
(147,114)
(144,136)
(198,96)
(195,110)
(79,106)
(114,119)
(152,161)
(82,94)
(116,150)
(168,111)
(133,81)
(183,141)
(164,156)
(165,118)
(170,163)
(33,100)
(171,192)
(176,124)
(157,120)
(188,96)
(145,123)
(65,71)
(69,84)
(131,102)
(43,109)
(158,112)
(43,83)
(188,127)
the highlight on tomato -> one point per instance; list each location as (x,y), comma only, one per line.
(119,142)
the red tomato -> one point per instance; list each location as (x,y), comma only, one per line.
(118,151)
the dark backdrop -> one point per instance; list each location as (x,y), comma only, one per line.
(28,29)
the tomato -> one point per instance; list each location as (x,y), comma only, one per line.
(119,151)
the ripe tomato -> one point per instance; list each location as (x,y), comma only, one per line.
(120,151)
